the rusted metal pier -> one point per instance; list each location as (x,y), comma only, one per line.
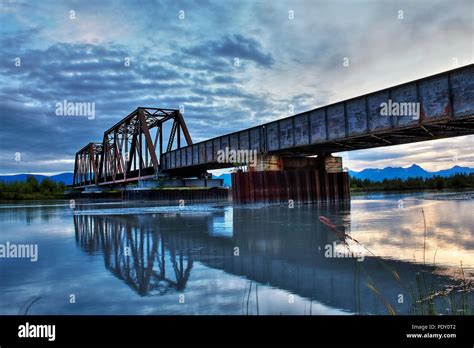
(298,186)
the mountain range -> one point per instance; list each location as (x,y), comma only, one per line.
(374,174)
(63,177)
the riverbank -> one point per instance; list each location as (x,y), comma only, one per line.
(37,196)
(117,195)
(360,191)
(31,189)
(454,182)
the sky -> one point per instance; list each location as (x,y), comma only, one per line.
(119,55)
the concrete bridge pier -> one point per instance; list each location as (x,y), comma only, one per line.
(283,179)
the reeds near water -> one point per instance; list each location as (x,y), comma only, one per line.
(426,298)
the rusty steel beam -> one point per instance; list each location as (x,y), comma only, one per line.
(187,136)
(150,145)
(171,138)
(86,163)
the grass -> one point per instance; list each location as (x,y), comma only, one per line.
(455,295)
(426,298)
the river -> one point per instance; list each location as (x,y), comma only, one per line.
(140,258)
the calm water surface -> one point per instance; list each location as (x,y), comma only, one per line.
(123,258)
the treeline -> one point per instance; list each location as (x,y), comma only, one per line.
(456,181)
(31,189)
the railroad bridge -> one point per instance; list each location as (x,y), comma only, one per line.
(293,154)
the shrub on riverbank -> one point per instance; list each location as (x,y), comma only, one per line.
(31,189)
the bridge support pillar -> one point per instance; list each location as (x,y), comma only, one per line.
(282,179)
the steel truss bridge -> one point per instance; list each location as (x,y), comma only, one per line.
(129,151)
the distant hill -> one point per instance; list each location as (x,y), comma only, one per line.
(66,178)
(414,170)
(63,177)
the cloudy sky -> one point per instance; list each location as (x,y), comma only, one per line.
(184,53)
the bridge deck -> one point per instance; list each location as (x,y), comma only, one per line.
(446,109)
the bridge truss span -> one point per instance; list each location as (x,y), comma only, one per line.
(131,149)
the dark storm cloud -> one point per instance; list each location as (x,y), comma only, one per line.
(236,46)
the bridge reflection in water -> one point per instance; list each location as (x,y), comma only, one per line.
(135,254)
(278,247)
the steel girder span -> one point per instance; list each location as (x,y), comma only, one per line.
(131,149)
(444,106)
